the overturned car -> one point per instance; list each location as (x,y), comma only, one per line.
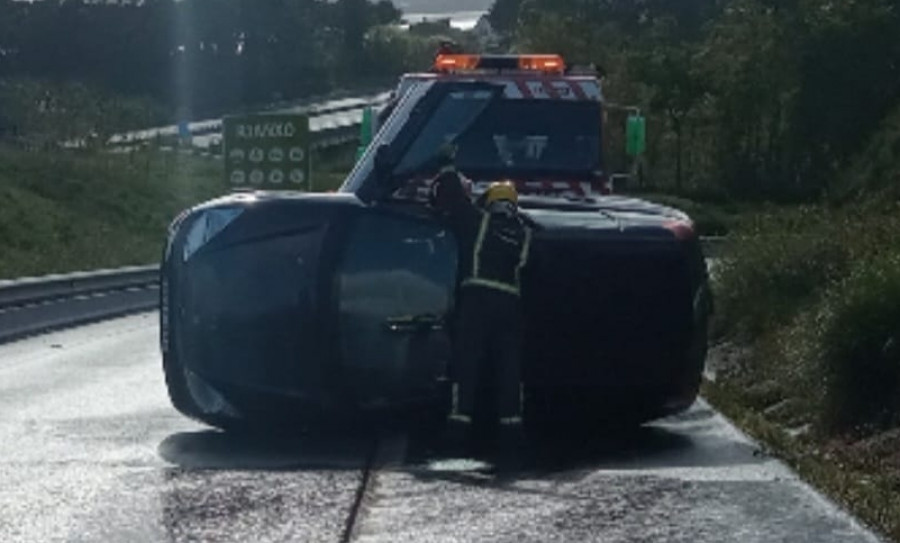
(276,305)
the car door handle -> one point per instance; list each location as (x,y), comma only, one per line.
(411,324)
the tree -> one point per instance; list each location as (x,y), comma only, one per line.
(504,15)
(206,56)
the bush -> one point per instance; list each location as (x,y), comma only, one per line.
(816,293)
(860,348)
(781,262)
(876,170)
(778,262)
(46,113)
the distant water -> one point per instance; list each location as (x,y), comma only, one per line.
(463,20)
(442,6)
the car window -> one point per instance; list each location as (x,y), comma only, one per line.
(455,113)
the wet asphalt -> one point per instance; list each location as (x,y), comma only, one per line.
(90,450)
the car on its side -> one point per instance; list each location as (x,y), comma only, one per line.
(277,305)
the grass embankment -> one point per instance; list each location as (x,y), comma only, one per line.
(63,212)
(809,309)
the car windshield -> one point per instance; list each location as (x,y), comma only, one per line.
(521,137)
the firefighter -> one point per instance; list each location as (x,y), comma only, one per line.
(494,244)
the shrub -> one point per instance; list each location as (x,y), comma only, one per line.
(45,113)
(816,292)
(860,347)
(777,263)
(876,170)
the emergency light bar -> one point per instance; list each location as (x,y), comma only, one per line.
(530,63)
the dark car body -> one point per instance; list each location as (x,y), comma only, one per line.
(285,303)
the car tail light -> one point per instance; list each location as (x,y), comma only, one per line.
(682,229)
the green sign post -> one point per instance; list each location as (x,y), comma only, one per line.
(267,151)
(366,132)
(635,135)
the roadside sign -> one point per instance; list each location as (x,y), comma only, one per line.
(267,151)
(635,135)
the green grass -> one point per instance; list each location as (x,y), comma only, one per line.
(331,166)
(62,212)
(65,211)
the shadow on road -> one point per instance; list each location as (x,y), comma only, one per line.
(696,439)
(213,449)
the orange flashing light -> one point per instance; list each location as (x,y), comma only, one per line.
(456,62)
(531,63)
(542,63)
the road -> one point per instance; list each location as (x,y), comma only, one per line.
(90,450)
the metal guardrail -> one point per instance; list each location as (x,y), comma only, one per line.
(36,305)
(36,290)
(345,116)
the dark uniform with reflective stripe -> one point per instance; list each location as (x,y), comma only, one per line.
(493,249)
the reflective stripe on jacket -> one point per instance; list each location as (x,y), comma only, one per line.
(493,248)
(500,252)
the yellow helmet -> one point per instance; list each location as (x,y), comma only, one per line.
(501,191)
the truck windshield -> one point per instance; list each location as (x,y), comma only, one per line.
(511,137)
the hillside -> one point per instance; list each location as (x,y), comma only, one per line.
(64,212)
